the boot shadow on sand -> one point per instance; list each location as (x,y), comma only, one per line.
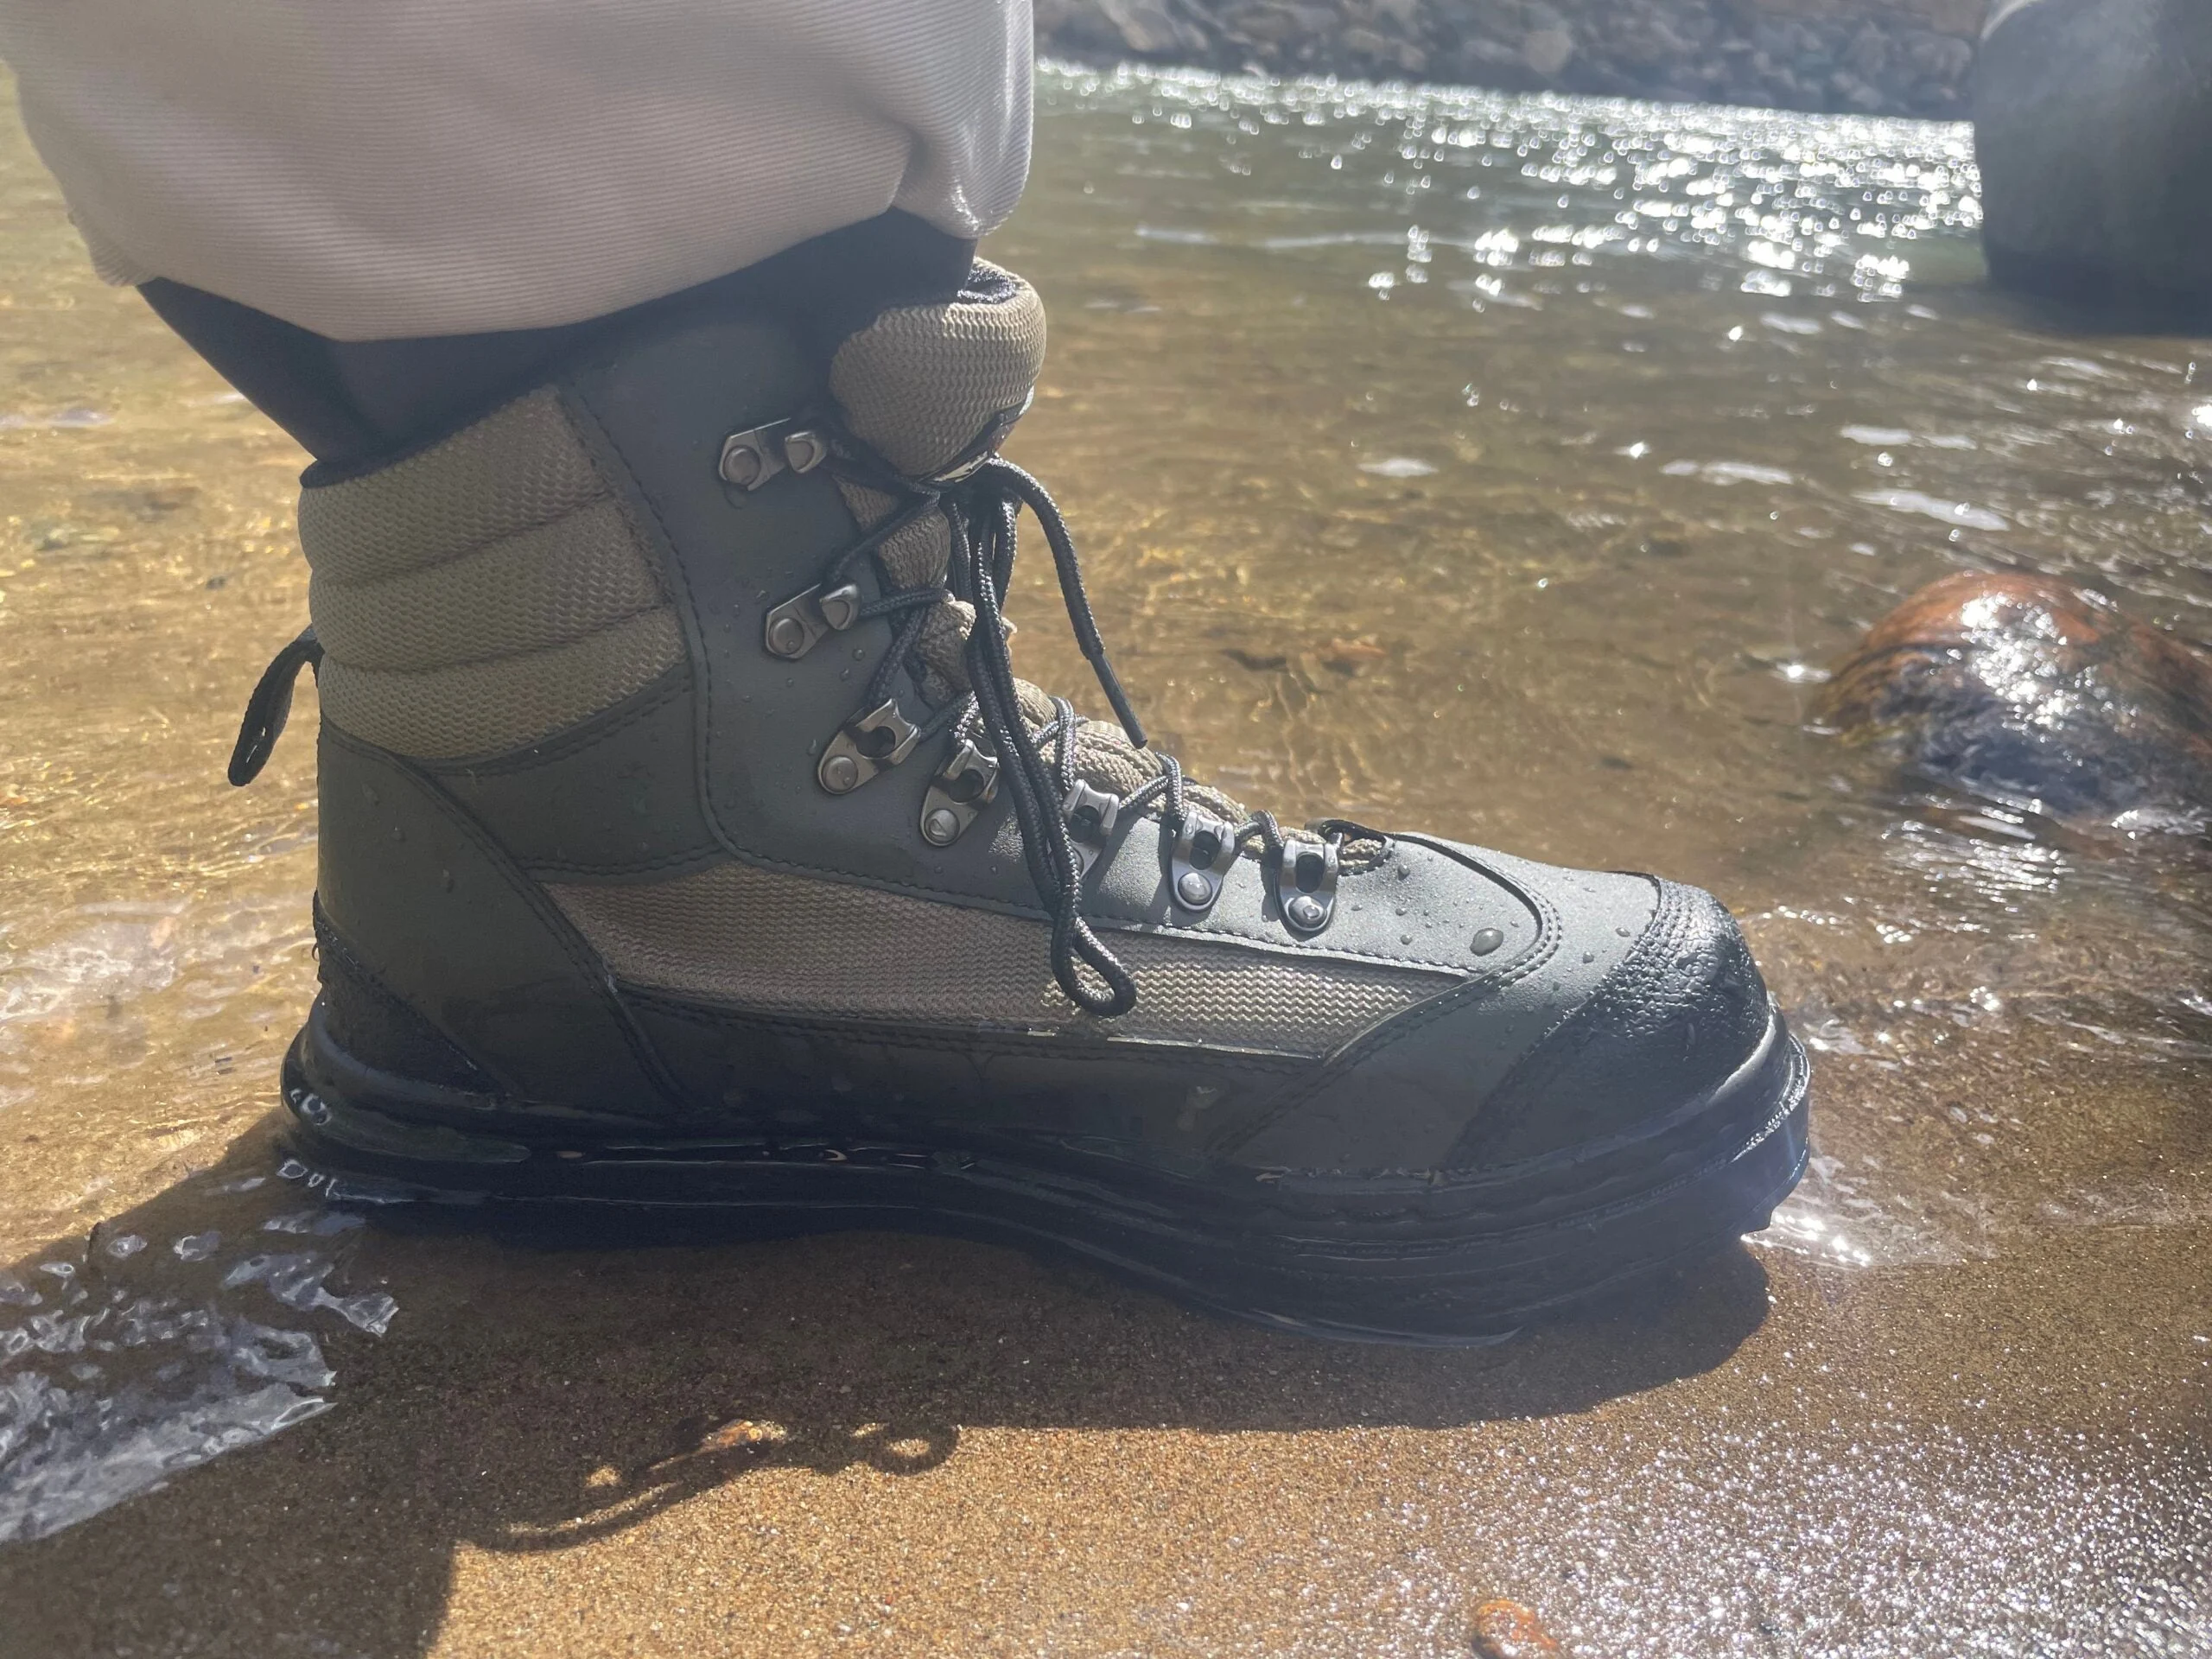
(529,1396)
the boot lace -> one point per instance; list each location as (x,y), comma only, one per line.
(982,501)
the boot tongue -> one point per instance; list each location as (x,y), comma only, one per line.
(929,386)
(924,385)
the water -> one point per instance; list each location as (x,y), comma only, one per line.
(129,1359)
(1524,463)
(1506,466)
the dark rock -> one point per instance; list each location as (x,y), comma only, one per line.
(2092,121)
(2040,696)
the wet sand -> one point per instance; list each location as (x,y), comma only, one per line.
(903,1446)
(1955,1403)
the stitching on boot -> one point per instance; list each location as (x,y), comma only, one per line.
(998,1042)
(672,686)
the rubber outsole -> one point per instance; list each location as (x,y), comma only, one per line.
(1427,1259)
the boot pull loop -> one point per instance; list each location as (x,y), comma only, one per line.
(271,706)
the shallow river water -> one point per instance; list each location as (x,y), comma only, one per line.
(1506,466)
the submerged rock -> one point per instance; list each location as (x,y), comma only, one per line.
(2038,695)
(2092,122)
(1506,1630)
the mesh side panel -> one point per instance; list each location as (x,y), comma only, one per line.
(445,714)
(920,383)
(482,595)
(543,588)
(775,943)
(515,469)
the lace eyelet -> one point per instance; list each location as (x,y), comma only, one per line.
(1305,885)
(1199,866)
(981,495)
(1091,815)
(798,625)
(749,458)
(866,744)
(966,784)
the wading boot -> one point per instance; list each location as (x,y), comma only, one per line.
(687,840)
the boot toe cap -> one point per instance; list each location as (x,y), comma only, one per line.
(1673,1020)
(1638,999)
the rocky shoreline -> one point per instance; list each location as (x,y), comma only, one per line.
(1876,57)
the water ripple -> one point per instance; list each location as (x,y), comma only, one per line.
(125,1360)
